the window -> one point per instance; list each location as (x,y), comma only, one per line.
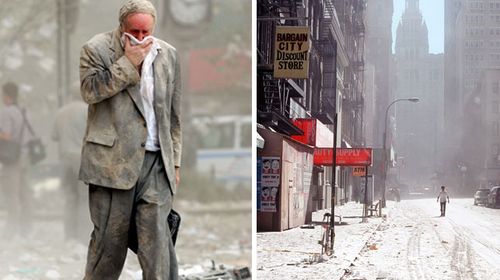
(495,129)
(494,149)
(494,107)
(495,87)
(216,135)
(246,135)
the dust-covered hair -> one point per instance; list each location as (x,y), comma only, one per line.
(134,7)
(11,90)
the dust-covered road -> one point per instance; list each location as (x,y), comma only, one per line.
(415,243)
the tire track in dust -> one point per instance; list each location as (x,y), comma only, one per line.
(413,257)
(419,265)
(461,260)
(470,235)
(461,256)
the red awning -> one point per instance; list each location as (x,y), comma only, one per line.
(316,134)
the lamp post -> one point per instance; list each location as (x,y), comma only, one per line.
(413,99)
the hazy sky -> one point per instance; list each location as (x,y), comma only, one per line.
(433,13)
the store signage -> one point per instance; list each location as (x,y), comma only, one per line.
(315,133)
(269,183)
(291,57)
(359,171)
(345,156)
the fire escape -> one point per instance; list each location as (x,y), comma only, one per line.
(359,66)
(328,48)
(354,30)
(273,95)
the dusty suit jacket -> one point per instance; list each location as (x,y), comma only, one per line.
(114,142)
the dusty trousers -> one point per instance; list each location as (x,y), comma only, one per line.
(143,209)
(443,208)
(18,199)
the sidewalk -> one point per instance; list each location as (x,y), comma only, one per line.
(296,254)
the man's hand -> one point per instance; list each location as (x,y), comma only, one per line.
(136,54)
(177,176)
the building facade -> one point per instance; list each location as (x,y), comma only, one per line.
(378,90)
(483,118)
(417,138)
(331,96)
(472,29)
(378,55)
(489,100)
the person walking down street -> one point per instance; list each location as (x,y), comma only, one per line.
(14,180)
(442,197)
(397,195)
(68,131)
(131,152)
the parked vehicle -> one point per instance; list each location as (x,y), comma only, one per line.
(481,196)
(225,148)
(494,197)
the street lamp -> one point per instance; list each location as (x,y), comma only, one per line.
(414,100)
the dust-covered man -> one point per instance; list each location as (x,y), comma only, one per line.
(132,146)
(441,198)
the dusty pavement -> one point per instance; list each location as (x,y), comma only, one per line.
(295,253)
(411,242)
(415,243)
(216,231)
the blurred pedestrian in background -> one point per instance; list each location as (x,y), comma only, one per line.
(17,196)
(68,131)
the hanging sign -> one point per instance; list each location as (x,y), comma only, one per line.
(291,57)
(359,171)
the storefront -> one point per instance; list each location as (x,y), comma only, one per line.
(317,135)
(284,169)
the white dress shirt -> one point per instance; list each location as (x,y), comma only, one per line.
(147,90)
